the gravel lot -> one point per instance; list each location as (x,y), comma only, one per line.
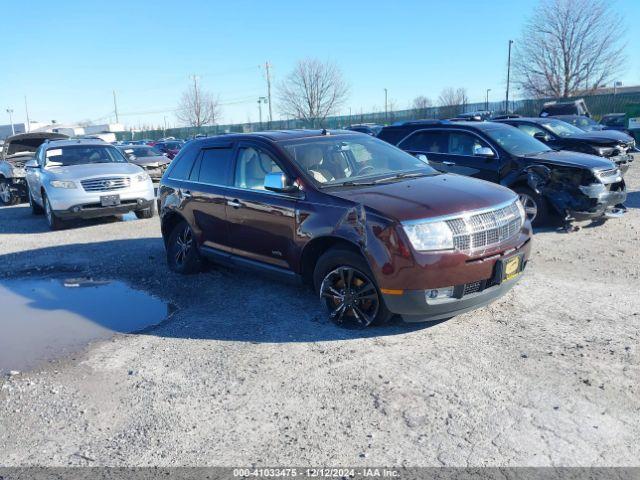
(247,371)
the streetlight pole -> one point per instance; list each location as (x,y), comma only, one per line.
(508,77)
(487,103)
(261,100)
(10,112)
(386,112)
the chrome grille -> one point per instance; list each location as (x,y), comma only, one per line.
(612,172)
(485,229)
(105,184)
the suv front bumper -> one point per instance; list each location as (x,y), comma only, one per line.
(414,307)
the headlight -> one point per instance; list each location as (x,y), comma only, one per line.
(605,151)
(141,177)
(62,184)
(523,214)
(429,235)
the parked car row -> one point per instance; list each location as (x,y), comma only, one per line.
(426,220)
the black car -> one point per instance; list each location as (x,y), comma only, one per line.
(560,135)
(585,124)
(615,121)
(368,128)
(574,185)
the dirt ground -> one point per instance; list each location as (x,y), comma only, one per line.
(248,372)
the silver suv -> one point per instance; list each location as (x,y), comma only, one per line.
(70,179)
(14,153)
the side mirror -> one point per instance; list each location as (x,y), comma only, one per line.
(423,158)
(543,137)
(33,163)
(483,152)
(279,182)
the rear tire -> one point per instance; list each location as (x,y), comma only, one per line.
(7,197)
(35,208)
(182,251)
(347,288)
(535,205)
(54,222)
(147,212)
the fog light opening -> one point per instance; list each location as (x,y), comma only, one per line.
(436,294)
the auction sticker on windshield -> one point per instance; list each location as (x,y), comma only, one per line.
(55,152)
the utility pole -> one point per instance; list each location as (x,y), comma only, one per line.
(115,106)
(508,77)
(386,112)
(267,67)
(26,110)
(10,112)
(487,103)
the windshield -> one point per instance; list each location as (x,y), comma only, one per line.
(173,145)
(357,159)
(516,142)
(143,151)
(560,128)
(80,155)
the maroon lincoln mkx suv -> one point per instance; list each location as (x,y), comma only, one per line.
(373,229)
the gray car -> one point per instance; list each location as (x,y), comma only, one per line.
(151,160)
(16,151)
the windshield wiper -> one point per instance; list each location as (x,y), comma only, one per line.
(400,176)
(348,183)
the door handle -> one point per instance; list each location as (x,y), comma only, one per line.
(185,194)
(448,163)
(234,203)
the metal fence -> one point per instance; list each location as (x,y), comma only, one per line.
(598,105)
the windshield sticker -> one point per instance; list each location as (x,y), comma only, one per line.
(56,152)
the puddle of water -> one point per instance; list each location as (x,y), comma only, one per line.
(44,319)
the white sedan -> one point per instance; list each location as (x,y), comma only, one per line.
(70,179)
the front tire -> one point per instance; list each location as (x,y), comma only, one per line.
(182,252)
(54,222)
(348,290)
(35,208)
(535,206)
(146,213)
(7,197)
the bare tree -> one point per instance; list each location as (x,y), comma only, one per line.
(569,47)
(198,107)
(451,101)
(420,105)
(312,91)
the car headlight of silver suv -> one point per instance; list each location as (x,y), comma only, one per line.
(429,235)
(141,177)
(62,184)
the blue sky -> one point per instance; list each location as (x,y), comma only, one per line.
(68,56)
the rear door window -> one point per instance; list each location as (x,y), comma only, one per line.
(215,166)
(183,164)
(426,141)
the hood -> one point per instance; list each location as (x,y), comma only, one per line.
(427,197)
(567,158)
(20,157)
(88,170)
(156,159)
(601,137)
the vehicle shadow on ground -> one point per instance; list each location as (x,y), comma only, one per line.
(633,200)
(217,304)
(19,219)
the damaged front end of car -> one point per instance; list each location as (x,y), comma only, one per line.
(578,193)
